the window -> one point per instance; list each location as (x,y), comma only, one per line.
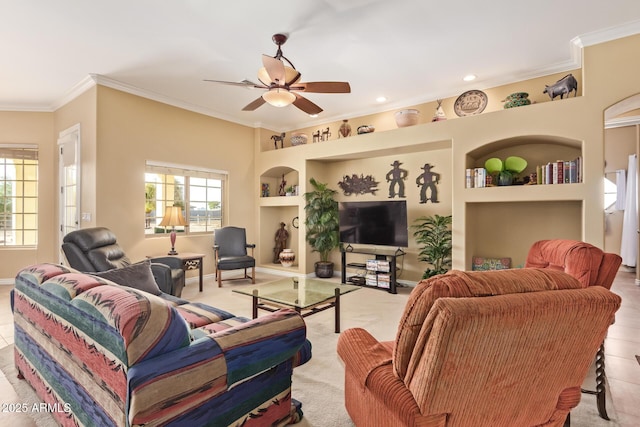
(199,192)
(610,193)
(18,195)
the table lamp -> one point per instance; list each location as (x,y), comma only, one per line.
(172,217)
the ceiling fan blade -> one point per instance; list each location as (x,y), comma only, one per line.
(275,69)
(305,105)
(322,87)
(254,104)
(244,83)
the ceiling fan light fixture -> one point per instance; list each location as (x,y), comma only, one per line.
(279,97)
(291,75)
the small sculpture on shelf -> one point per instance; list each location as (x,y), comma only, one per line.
(281,237)
(439,115)
(283,186)
(325,135)
(427,181)
(395,177)
(277,138)
(316,136)
(562,87)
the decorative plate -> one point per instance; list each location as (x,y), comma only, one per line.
(469,103)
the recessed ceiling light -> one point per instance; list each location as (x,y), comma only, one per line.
(381,99)
(313,115)
(469,77)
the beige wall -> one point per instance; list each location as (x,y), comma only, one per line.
(33,128)
(132,130)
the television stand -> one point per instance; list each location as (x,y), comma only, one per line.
(390,255)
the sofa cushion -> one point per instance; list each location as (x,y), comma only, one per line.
(138,276)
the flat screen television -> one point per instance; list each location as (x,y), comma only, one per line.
(381,223)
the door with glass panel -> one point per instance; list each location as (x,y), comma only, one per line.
(69,177)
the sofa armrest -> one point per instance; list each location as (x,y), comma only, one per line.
(162,276)
(362,353)
(212,364)
(261,343)
(173,262)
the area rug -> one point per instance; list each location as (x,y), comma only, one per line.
(319,384)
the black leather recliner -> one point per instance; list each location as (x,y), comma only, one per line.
(95,249)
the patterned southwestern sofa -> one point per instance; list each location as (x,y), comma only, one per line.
(114,355)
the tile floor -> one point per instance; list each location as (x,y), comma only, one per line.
(621,347)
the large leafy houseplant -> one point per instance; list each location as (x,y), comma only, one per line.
(322,224)
(433,235)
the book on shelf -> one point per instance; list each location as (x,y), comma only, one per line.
(560,172)
(475,177)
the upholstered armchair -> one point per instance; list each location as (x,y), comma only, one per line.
(230,253)
(592,267)
(91,250)
(479,349)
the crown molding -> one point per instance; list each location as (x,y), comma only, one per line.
(576,46)
(607,34)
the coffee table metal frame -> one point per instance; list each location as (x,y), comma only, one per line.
(305,295)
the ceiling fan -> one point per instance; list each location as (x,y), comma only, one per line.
(282,83)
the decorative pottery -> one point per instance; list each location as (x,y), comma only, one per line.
(408,117)
(298,138)
(345,129)
(287,257)
(365,129)
(517,99)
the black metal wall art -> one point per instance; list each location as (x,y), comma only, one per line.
(355,184)
(395,178)
(427,181)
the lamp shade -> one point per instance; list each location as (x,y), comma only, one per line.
(279,97)
(172,217)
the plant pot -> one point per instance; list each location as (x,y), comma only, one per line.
(505,178)
(324,270)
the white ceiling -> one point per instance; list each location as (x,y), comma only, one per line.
(411,51)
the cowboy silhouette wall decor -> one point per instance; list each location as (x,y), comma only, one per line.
(396,177)
(427,181)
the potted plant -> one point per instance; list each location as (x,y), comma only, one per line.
(433,233)
(322,225)
(505,172)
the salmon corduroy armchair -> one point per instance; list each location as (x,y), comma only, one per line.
(479,349)
(592,267)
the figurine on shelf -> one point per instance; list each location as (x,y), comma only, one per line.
(283,186)
(281,242)
(277,138)
(325,135)
(316,136)
(439,116)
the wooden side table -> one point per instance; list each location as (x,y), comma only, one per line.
(190,261)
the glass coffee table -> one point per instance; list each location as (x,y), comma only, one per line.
(305,295)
